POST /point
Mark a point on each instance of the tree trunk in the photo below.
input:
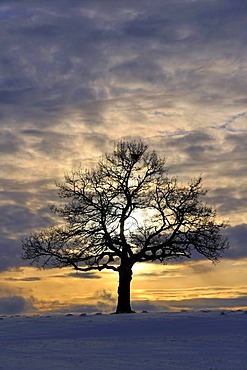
(125, 277)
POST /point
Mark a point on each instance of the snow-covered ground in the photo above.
(184, 341)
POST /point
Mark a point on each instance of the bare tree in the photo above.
(124, 211)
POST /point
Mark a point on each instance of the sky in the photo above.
(78, 76)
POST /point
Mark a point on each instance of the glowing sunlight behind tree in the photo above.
(125, 211)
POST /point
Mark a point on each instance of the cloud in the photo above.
(77, 76)
(210, 303)
(104, 295)
(13, 305)
(161, 274)
(190, 304)
(100, 307)
(228, 124)
(10, 253)
(61, 58)
(99, 301)
(237, 236)
(31, 278)
(16, 221)
(9, 142)
(153, 306)
(85, 275)
(201, 267)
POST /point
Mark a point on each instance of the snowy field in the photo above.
(184, 341)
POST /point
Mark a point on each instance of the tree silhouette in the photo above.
(124, 211)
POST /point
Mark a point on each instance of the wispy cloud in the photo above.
(227, 125)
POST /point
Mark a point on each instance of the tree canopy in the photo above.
(125, 210)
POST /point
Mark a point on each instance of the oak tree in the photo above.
(126, 210)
